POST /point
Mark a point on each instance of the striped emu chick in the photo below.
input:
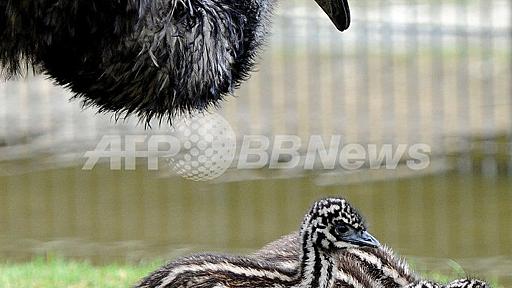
(330, 226)
(424, 284)
(358, 267)
(468, 283)
(361, 267)
(460, 283)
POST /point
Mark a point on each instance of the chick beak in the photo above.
(338, 11)
(362, 238)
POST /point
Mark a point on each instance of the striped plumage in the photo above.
(331, 225)
(361, 267)
(424, 284)
(468, 283)
(459, 283)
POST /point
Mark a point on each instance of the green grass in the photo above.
(57, 273)
(456, 272)
(60, 273)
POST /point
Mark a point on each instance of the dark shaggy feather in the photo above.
(154, 58)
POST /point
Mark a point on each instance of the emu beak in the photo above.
(362, 238)
(338, 11)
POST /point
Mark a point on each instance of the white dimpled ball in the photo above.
(208, 146)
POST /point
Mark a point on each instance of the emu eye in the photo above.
(342, 229)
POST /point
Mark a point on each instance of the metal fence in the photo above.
(405, 72)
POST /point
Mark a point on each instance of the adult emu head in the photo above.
(152, 58)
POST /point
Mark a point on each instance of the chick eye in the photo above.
(342, 229)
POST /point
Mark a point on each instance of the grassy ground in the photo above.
(59, 273)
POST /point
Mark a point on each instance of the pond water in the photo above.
(106, 216)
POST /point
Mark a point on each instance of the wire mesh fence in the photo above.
(435, 73)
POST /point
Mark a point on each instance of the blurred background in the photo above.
(433, 72)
